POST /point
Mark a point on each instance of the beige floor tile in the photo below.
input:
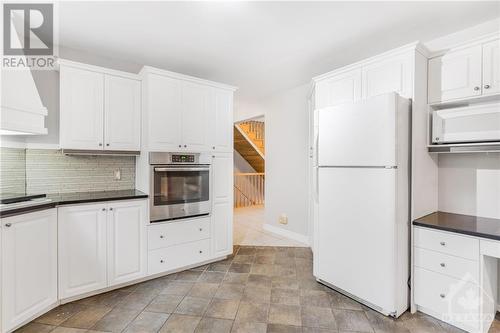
(318, 317)
(87, 317)
(203, 289)
(147, 322)
(35, 328)
(60, 314)
(116, 320)
(249, 327)
(223, 308)
(180, 324)
(164, 303)
(194, 306)
(252, 312)
(214, 325)
(352, 320)
(284, 314)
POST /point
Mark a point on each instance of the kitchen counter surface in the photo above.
(71, 198)
(462, 224)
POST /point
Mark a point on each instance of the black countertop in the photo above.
(60, 199)
(462, 224)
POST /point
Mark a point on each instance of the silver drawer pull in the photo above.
(161, 261)
(161, 236)
(443, 244)
(442, 264)
(201, 251)
(201, 229)
(442, 295)
(8, 225)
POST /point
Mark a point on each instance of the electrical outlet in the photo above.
(283, 219)
(117, 174)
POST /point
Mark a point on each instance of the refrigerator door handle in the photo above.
(316, 184)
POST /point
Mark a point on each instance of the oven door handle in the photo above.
(181, 169)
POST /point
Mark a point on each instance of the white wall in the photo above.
(286, 159)
(240, 164)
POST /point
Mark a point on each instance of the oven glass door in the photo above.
(180, 185)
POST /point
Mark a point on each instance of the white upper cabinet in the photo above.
(100, 109)
(391, 75)
(183, 113)
(491, 67)
(127, 255)
(339, 89)
(82, 249)
(81, 108)
(163, 113)
(196, 111)
(122, 115)
(29, 267)
(455, 75)
(221, 138)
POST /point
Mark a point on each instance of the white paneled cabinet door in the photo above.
(82, 249)
(340, 89)
(81, 108)
(391, 75)
(491, 67)
(455, 75)
(163, 96)
(126, 241)
(222, 121)
(122, 113)
(29, 267)
(222, 212)
(196, 104)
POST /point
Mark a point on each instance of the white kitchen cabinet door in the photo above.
(29, 267)
(340, 89)
(222, 209)
(455, 75)
(221, 121)
(163, 96)
(122, 113)
(82, 249)
(391, 75)
(127, 247)
(196, 109)
(81, 109)
(491, 67)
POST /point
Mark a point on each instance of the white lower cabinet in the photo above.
(101, 245)
(222, 208)
(177, 256)
(28, 266)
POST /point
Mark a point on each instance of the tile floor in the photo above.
(260, 289)
(247, 229)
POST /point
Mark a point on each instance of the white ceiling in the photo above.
(261, 47)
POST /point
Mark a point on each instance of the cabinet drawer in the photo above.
(445, 264)
(177, 256)
(456, 245)
(168, 234)
(447, 298)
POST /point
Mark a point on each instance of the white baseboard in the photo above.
(286, 233)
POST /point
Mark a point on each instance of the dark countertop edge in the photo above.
(56, 203)
(456, 231)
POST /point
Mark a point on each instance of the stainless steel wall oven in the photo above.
(179, 186)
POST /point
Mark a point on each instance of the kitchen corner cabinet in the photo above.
(28, 266)
(339, 89)
(469, 72)
(222, 209)
(185, 114)
(101, 245)
(98, 110)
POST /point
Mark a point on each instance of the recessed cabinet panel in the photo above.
(222, 166)
(393, 75)
(196, 105)
(81, 108)
(455, 75)
(222, 121)
(164, 112)
(122, 113)
(491, 67)
(29, 266)
(222, 217)
(126, 241)
(82, 249)
(340, 89)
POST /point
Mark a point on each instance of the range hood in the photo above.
(22, 111)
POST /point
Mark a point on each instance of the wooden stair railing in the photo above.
(249, 189)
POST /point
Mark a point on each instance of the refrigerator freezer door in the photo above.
(361, 134)
(356, 233)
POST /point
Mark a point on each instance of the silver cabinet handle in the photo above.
(161, 261)
(201, 251)
(213, 147)
(161, 236)
(104, 209)
(442, 264)
(486, 86)
(100, 144)
(476, 88)
(110, 208)
(442, 243)
(180, 146)
(201, 229)
(185, 146)
(442, 295)
(8, 225)
(107, 144)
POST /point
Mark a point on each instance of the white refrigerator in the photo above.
(361, 232)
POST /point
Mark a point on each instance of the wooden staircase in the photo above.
(249, 143)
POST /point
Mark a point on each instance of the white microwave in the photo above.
(475, 123)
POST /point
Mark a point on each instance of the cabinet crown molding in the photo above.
(152, 70)
(98, 69)
(414, 46)
(456, 47)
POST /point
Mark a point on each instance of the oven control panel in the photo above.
(183, 158)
